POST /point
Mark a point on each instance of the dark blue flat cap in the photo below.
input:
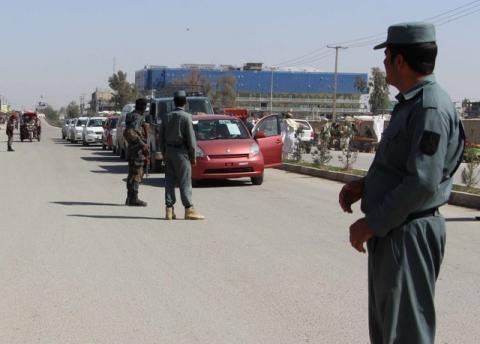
(180, 94)
(409, 33)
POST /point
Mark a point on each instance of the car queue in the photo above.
(226, 148)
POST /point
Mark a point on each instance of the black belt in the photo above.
(173, 145)
(423, 213)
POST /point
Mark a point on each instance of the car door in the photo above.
(268, 136)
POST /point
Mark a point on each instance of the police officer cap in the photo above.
(180, 94)
(409, 33)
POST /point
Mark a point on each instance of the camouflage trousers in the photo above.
(135, 174)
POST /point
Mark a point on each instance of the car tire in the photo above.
(122, 153)
(257, 180)
(63, 137)
(114, 149)
(195, 183)
(104, 147)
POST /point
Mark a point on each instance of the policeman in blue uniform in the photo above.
(178, 144)
(409, 179)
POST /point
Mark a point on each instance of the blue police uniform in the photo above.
(408, 180)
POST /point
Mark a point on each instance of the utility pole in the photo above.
(271, 92)
(336, 47)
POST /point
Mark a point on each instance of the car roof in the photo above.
(211, 117)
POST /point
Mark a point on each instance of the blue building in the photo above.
(305, 93)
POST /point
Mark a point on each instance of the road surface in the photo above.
(270, 264)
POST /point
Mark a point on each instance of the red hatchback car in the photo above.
(226, 149)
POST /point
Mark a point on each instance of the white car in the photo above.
(93, 130)
(306, 135)
(76, 131)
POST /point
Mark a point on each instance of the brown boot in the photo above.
(170, 213)
(192, 214)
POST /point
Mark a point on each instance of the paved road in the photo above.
(271, 264)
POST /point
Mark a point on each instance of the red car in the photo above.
(226, 149)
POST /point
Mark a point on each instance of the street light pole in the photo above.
(271, 92)
(337, 47)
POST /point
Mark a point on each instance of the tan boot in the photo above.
(192, 214)
(170, 213)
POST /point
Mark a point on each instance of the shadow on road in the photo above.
(115, 169)
(156, 182)
(89, 203)
(116, 217)
(100, 158)
(462, 219)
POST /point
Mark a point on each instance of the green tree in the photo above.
(225, 92)
(361, 85)
(72, 110)
(379, 100)
(51, 114)
(194, 82)
(124, 92)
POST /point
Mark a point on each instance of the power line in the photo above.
(439, 20)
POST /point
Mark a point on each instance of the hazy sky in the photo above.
(62, 50)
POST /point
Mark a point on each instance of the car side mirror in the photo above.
(259, 135)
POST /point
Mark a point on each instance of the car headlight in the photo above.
(79, 130)
(254, 149)
(199, 153)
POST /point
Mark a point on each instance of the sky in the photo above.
(62, 50)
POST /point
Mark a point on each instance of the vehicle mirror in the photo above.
(259, 135)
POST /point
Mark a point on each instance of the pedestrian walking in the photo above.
(177, 144)
(409, 179)
(12, 123)
(136, 135)
(289, 136)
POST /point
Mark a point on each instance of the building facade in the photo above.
(102, 100)
(307, 94)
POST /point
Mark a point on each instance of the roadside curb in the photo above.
(461, 199)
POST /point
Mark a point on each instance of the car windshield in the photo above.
(199, 105)
(95, 122)
(219, 129)
(81, 122)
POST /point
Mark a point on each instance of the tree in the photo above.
(194, 82)
(72, 110)
(361, 85)
(51, 114)
(225, 92)
(379, 100)
(124, 92)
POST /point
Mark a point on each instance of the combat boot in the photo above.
(170, 213)
(192, 214)
(135, 201)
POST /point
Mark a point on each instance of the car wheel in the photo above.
(63, 137)
(195, 183)
(104, 147)
(257, 180)
(114, 149)
(122, 153)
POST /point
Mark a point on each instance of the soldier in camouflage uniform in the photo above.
(136, 136)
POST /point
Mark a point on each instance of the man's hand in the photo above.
(146, 149)
(350, 193)
(193, 161)
(360, 233)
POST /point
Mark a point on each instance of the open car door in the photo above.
(267, 133)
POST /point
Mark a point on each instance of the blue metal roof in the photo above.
(256, 81)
